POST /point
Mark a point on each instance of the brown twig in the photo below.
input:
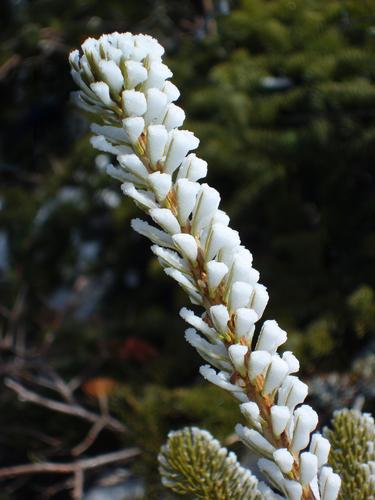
(69, 468)
(9, 64)
(21, 430)
(90, 438)
(78, 485)
(67, 408)
(55, 383)
(50, 491)
(76, 468)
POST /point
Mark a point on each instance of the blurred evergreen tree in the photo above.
(284, 107)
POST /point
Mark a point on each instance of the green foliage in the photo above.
(299, 81)
(362, 305)
(193, 462)
(151, 411)
(352, 439)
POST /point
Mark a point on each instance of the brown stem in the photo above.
(69, 468)
(78, 483)
(90, 437)
(69, 409)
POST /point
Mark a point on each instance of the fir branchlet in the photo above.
(193, 462)
(352, 438)
(125, 85)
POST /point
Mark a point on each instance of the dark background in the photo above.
(282, 96)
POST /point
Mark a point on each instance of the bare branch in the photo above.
(72, 467)
(90, 438)
(69, 409)
(78, 485)
(52, 490)
(74, 383)
(54, 382)
(9, 64)
(52, 441)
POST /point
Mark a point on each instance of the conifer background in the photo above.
(282, 97)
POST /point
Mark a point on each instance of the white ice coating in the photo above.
(121, 78)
